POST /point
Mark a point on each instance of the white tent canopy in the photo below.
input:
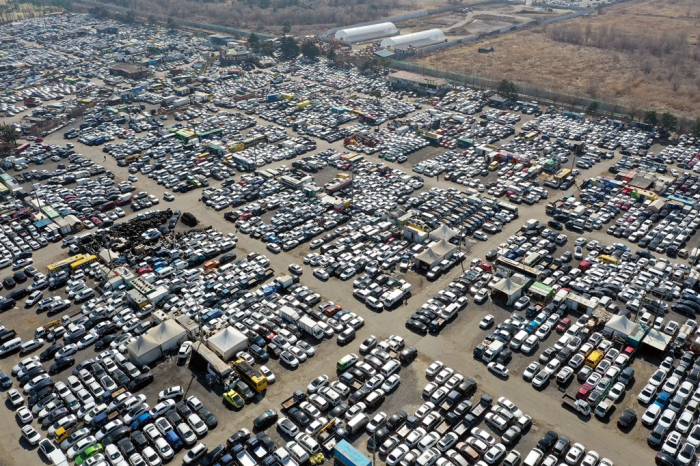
(150, 346)
(143, 350)
(443, 232)
(621, 325)
(227, 343)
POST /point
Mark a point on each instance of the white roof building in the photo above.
(417, 39)
(362, 33)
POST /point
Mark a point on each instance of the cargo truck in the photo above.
(311, 327)
(347, 455)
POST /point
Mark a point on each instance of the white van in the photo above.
(165, 272)
(10, 346)
(518, 340)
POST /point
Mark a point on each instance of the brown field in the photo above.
(641, 54)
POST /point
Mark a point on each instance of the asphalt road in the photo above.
(453, 346)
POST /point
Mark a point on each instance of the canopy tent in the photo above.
(427, 259)
(443, 248)
(508, 290)
(443, 232)
(227, 343)
(143, 350)
(147, 348)
(620, 325)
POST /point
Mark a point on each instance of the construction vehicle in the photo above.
(41, 332)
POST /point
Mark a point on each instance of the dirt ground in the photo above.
(634, 79)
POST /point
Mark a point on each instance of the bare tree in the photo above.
(676, 82)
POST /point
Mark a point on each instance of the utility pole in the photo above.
(374, 450)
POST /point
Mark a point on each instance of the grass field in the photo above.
(641, 54)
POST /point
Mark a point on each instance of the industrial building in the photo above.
(415, 40)
(362, 33)
(128, 71)
(416, 82)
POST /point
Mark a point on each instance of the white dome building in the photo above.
(363, 33)
(417, 39)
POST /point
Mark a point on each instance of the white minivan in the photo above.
(10, 346)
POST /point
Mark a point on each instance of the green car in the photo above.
(89, 453)
(234, 399)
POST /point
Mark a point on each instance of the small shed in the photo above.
(541, 292)
(143, 350)
(656, 342)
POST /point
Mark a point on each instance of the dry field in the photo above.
(641, 54)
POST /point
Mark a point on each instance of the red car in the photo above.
(332, 310)
(96, 221)
(563, 325)
(584, 391)
(485, 266)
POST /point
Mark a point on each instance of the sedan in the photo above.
(288, 358)
(575, 453)
(531, 370)
(25, 415)
(498, 369)
(195, 454)
(169, 393)
(31, 435)
(541, 378)
(197, 424)
(287, 427)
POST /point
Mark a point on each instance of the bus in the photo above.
(532, 105)
(22, 148)
(251, 376)
(83, 263)
(605, 259)
(531, 136)
(64, 264)
(508, 207)
(563, 173)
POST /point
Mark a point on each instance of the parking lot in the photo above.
(393, 232)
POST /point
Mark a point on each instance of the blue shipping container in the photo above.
(348, 455)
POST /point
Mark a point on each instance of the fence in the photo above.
(184, 22)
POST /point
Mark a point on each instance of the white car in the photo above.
(151, 457)
(113, 455)
(197, 452)
(434, 368)
(163, 448)
(15, 397)
(161, 408)
(169, 393)
(574, 454)
(391, 383)
(185, 350)
(197, 424)
(289, 359)
(376, 422)
(31, 435)
(541, 378)
(498, 369)
(486, 322)
(31, 345)
(269, 375)
(186, 433)
(82, 445)
(25, 415)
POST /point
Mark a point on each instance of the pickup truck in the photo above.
(294, 400)
(436, 325)
(484, 404)
(442, 428)
(452, 399)
(579, 405)
(256, 448)
(243, 457)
